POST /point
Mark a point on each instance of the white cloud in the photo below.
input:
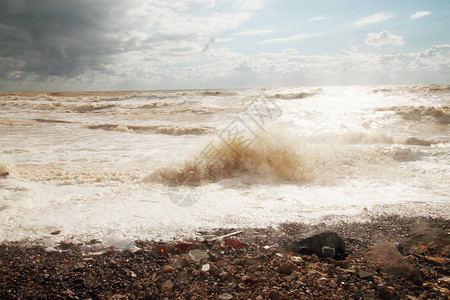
(373, 19)
(254, 32)
(318, 18)
(383, 38)
(420, 14)
(287, 39)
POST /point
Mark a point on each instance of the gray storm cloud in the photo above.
(60, 38)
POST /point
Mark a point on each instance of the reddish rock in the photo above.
(391, 261)
(184, 247)
(235, 243)
(162, 249)
(286, 268)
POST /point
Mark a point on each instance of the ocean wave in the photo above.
(352, 138)
(157, 129)
(50, 121)
(275, 156)
(439, 114)
(11, 122)
(404, 155)
(218, 93)
(293, 96)
(67, 176)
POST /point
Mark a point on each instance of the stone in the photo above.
(184, 247)
(276, 295)
(56, 232)
(51, 250)
(436, 260)
(182, 276)
(206, 267)
(362, 273)
(325, 244)
(168, 268)
(162, 249)
(386, 292)
(225, 296)
(167, 286)
(197, 255)
(391, 261)
(425, 236)
(286, 268)
(235, 243)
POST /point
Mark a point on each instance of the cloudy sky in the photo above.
(159, 44)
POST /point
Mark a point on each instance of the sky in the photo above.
(54, 45)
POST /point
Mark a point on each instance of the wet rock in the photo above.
(425, 236)
(226, 275)
(162, 249)
(391, 261)
(63, 245)
(225, 296)
(182, 276)
(197, 255)
(276, 295)
(286, 268)
(184, 247)
(235, 243)
(362, 273)
(51, 250)
(436, 260)
(386, 292)
(168, 268)
(179, 262)
(325, 244)
(167, 286)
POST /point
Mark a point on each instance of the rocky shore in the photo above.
(388, 257)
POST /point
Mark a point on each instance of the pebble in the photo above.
(206, 267)
(276, 295)
(168, 268)
(225, 296)
(197, 255)
(362, 273)
(51, 250)
(167, 286)
(286, 268)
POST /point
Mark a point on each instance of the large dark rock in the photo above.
(391, 261)
(325, 244)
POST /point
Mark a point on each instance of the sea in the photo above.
(162, 165)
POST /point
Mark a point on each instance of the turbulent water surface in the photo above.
(161, 164)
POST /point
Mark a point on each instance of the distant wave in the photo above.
(11, 122)
(293, 96)
(158, 129)
(356, 138)
(218, 93)
(439, 114)
(431, 89)
(50, 121)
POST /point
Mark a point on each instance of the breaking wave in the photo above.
(158, 129)
(439, 114)
(274, 156)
